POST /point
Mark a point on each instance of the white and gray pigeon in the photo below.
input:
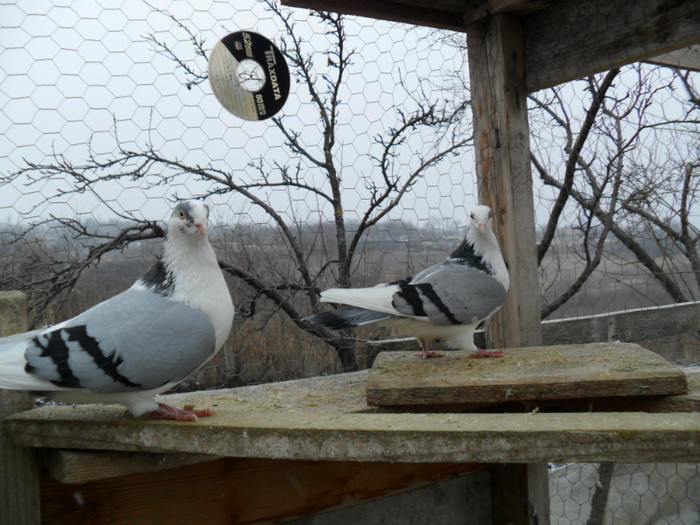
(140, 342)
(446, 301)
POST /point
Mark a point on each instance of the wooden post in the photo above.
(502, 152)
(19, 472)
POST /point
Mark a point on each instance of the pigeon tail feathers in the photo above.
(13, 375)
(377, 298)
(349, 317)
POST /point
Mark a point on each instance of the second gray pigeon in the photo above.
(446, 301)
(139, 343)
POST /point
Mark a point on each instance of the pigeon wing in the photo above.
(450, 293)
(137, 340)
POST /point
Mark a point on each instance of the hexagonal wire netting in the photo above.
(91, 94)
(108, 117)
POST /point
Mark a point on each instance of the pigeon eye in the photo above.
(181, 214)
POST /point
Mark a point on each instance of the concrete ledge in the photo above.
(323, 419)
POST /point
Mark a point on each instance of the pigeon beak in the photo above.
(201, 227)
(482, 227)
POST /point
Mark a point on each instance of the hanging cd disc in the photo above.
(249, 75)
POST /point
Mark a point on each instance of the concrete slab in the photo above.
(299, 434)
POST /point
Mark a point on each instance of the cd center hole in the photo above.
(250, 75)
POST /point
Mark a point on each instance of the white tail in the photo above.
(377, 298)
(12, 373)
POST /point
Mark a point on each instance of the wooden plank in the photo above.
(686, 58)
(573, 39)
(513, 487)
(433, 16)
(524, 374)
(235, 491)
(689, 402)
(83, 466)
(478, 11)
(502, 152)
(19, 476)
(461, 438)
(564, 40)
(19, 468)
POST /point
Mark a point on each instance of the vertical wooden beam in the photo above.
(19, 471)
(502, 144)
(502, 151)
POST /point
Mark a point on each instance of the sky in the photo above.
(77, 75)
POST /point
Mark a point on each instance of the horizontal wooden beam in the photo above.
(83, 466)
(573, 39)
(563, 40)
(387, 10)
(450, 438)
(72, 466)
(686, 58)
(477, 11)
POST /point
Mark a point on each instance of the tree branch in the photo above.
(572, 160)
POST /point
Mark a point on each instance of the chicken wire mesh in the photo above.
(108, 117)
(640, 493)
(90, 95)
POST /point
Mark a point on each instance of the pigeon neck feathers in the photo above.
(480, 250)
(158, 279)
(468, 256)
(188, 271)
(184, 256)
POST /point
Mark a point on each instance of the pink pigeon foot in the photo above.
(480, 352)
(425, 353)
(188, 413)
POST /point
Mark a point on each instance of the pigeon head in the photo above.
(480, 217)
(189, 217)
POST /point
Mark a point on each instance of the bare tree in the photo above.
(619, 153)
(311, 254)
(630, 172)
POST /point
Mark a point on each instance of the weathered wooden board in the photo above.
(524, 374)
(19, 470)
(504, 178)
(573, 39)
(84, 466)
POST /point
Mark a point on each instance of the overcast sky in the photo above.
(73, 73)
(71, 70)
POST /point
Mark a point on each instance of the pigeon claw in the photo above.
(430, 353)
(480, 352)
(425, 353)
(187, 413)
